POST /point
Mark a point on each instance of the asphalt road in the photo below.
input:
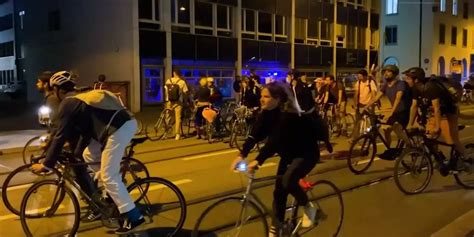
(373, 204)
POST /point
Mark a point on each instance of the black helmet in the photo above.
(392, 68)
(416, 73)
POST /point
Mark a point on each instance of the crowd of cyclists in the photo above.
(287, 117)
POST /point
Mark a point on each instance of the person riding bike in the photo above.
(301, 93)
(336, 94)
(365, 91)
(294, 137)
(400, 98)
(435, 110)
(105, 128)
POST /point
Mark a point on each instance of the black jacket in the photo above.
(304, 95)
(251, 97)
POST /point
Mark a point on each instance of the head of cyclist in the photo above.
(415, 77)
(62, 83)
(362, 75)
(245, 82)
(42, 82)
(390, 72)
(101, 78)
(330, 80)
(210, 82)
(203, 82)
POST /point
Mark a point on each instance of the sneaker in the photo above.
(309, 215)
(273, 232)
(91, 216)
(177, 137)
(129, 226)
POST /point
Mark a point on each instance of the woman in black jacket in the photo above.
(250, 94)
(294, 137)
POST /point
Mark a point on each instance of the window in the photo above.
(264, 23)
(280, 25)
(326, 30)
(313, 29)
(454, 32)
(392, 7)
(54, 20)
(6, 49)
(464, 38)
(442, 33)
(455, 7)
(390, 35)
(6, 22)
(3, 1)
(203, 14)
(223, 17)
(180, 13)
(300, 30)
(149, 10)
(351, 37)
(442, 5)
(465, 10)
(248, 20)
(361, 37)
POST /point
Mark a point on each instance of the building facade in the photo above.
(435, 35)
(9, 82)
(139, 42)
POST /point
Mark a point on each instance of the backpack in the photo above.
(101, 99)
(173, 91)
(452, 88)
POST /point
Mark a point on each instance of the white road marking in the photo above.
(209, 154)
(367, 161)
(39, 210)
(6, 167)
(160, 186)
(23, 186)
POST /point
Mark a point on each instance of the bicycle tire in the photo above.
(162, 127)
(350, 123)
(403, 163)
(14, 208)
(366, 139)
(209, 132)
(459, 177)
(64, 190)
(317, 198)
(26, 153)
(241, 134)
(199, 229)
(140, 127)
(159, 184)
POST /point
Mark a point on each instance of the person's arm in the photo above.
(339, 96)
(413, 112)
(356, 94)
(375, 99)
(373, 89)
(437, 114)
(326, 96)
(257, 134)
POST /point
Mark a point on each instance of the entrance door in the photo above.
(152, 84)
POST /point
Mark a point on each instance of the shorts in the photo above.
(402, 118)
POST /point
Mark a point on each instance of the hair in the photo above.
(363, 72)
(67, 86)
(280, 91)
(45, 76)
(331, 77)
(102, 78)
(177, 72)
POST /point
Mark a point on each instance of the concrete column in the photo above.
(292, 33)
(334, 39)
(368, 35)
(167, 28)
(238, 34)
(135, 84)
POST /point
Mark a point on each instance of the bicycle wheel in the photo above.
(233, 216)
(164, 125)
(162, 204)
(16, 184)
(32, 149)
(49, 209)
(465, 178)
(350, 122)
(330, 215)
(361, 154)
(133, 170)
(140, 127)
(241, 131)
(413, 171)
(209, 132)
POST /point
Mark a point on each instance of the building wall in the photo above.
(95, 37)
(7, 64)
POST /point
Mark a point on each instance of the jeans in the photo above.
(110, 157)
(291, 171)
(178, 108)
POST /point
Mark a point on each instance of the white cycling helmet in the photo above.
(59, 78)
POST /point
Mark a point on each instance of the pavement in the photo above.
(373, 206)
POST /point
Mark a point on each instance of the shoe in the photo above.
(129, 226)
(390, 154)
(199, 137)
(91, 216)
(177, 137)
(273, 232)
(309, 215)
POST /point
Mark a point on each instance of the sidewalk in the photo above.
(463, 226)
(12, 140)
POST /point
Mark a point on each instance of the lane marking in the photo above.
(209, 155)
(13, 216)
(160, 186)
(23, 186)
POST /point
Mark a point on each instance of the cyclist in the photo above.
(217, 101)
(301, 93)
(294, 138)
(175, 97)
(365, 91)
(202, 98)
(336, 94)
(438, 112)
(319, 90)
(250, 94)
(399, 95)
(49, 99)
(105, 128)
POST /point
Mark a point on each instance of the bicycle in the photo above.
(245, 215)
(212, 116)
(227, 114)
(363, 149)
(329, 114)
(153, 196)
(466, 96)
(241, 127)
(166, 123)
(22, 175)
(418, 162)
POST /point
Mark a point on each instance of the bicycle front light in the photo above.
(242, 166)
(44, 111)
